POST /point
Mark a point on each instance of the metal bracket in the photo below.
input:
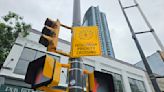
(62, 53)
(159, 77)
(143, 32)
(130, 6)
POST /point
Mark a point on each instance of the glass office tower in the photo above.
(94, 16)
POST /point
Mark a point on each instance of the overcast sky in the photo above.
(36, 11)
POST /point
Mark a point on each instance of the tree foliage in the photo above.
(11, 26)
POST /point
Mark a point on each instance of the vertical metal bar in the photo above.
(150, 73)
(76, 71)
(143, 15)
(76, 13)
(157, 39)
(75, 75)
(149, 25)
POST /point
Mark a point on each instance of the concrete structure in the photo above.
(94, 16)
(127, 78)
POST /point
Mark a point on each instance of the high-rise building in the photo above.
(94, 16)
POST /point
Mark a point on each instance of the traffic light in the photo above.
(50, 34)
(44, 71)
(100, 82)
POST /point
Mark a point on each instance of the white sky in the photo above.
(36, 11)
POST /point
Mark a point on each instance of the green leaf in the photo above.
(9, 30)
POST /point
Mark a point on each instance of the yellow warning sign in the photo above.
(85, 41)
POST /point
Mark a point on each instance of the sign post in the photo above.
(81, 46)
(85, 42)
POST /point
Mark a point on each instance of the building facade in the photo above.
(156, 63)
(127, 78)
(94, 16)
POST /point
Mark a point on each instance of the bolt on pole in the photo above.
(150, 73)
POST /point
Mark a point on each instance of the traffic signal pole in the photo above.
(149, 71)
(76, 71)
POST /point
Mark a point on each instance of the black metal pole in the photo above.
(75, 75)
(150, 73)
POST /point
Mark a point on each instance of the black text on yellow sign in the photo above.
(85, 42)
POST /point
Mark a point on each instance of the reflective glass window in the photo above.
(137, 85)
(118, 83)
(26, 57)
